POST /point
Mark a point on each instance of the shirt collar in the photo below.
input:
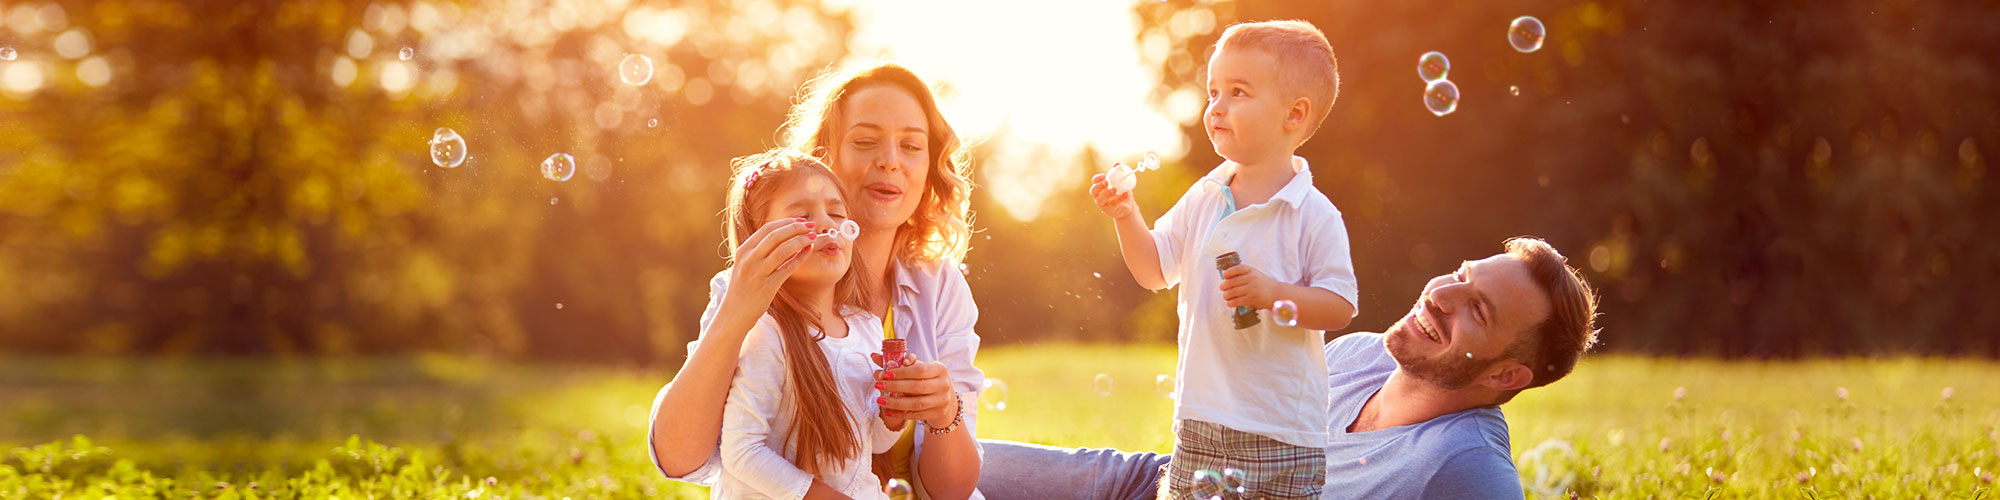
(906, 281)
(1292, 194)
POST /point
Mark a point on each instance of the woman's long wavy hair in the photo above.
(941, 229)
(821, 431)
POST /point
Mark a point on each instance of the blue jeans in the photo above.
(1012, 470)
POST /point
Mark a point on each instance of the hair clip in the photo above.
(751, 180)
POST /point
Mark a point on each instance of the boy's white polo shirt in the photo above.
(1267, 379)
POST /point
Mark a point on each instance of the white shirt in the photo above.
(934, 311)
(1268, 379)
(757, 449)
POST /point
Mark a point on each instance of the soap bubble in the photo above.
(1163, 384)
(898, 489)
(1150, 163)
(406, 54)
(1433, 66)
(1101, 384)
(1284, 312)
(1121, 178)
(1514, 89)
(447, 148)
(993, 394)
(1441, 97)
(850, 229)
(559, 167)
(1233, 480)
(635, 69)
(1526, 34)
(653, 123)
(1208, 484)
(8, 54)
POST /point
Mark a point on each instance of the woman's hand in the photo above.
(916, 390)
(766, 259)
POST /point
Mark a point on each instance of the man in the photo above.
(1415, 410)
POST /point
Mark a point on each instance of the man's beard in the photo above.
(1450, 373)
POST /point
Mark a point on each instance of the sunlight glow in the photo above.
(1035, 88)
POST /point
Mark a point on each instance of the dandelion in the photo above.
(1664, 443)
(1840, 392)
(1856, 443)
(1947, 394)
(490, 481)
(1680, 392)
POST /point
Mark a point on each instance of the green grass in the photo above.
(438, 427)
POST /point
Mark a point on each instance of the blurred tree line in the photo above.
(1761, 179)
(1768, 180)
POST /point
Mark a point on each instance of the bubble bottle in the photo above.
(1244, 316)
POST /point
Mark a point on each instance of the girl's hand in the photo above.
(917, 390)
(890, 418)
(767, 258)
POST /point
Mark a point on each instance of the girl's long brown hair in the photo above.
(821, 432)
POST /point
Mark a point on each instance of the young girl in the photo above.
(801, 419)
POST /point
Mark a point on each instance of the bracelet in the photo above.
(955, 420)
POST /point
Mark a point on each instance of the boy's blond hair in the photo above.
(1306, 65)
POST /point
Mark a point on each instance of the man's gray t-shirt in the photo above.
(1458, 455)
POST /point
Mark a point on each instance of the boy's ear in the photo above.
(1296, 116)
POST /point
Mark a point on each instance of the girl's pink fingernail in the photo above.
(881, 401)
(809, 224)
(878, 385)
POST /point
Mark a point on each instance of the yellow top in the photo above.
(899, 462)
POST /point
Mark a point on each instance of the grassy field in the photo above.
(440, 427)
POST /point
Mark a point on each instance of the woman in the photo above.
(908, 176)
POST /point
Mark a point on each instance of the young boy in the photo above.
(1252, 399)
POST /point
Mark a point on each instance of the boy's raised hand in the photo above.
(1114, 204)
(1245, 286)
